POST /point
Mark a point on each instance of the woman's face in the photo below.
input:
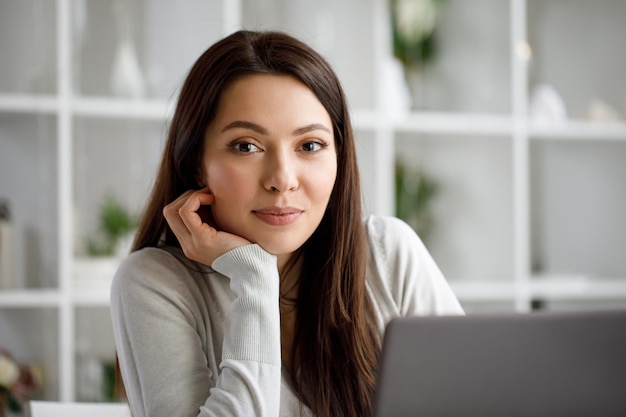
(270, 162)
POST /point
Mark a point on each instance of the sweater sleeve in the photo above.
(157, 311)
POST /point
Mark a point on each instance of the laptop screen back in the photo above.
(538, 364)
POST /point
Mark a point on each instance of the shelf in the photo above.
(91, 284)
(578, 130)
(548, 287)
(553, 288)
(29, 298)
(577, 288)
(92, 106)
(456, 123)
(123, 108)
(416, 122)
(25, 103)
(96, 297)
(93, 297)
(483, 291)
(436, 123)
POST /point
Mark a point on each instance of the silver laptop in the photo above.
(537, 364)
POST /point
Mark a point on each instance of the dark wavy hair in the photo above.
(336, 345)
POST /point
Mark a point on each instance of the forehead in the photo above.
(270, 98)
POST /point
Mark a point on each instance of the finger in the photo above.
(171, 210)
(175, 205)
(176, 224)
(189, 210)
(172, 216)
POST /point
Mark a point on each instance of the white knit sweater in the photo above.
(194, 340)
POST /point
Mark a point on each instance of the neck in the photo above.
(289, 271)
(282, 261)
(289, 285)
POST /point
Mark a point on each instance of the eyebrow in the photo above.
(310, 128)
(243, 124)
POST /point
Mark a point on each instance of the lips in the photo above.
(278, 216)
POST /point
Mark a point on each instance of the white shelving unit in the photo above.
(483, 152)
(69, 109)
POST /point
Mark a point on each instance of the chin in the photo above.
(279, 247)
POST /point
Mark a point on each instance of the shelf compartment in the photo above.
(155, 31)
(28, 47)
(29, 181)
(94, 354)
(471, 70)
(31, 336)
(471, 236)
(578, 49)
(115, 158)
(577, 208)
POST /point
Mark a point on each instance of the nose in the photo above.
(281, 172)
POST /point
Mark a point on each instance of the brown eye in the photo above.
(244, 147)
(313, 146)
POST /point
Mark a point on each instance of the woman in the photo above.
(255, 287)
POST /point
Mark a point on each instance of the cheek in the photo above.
(225, 191)
(223, 180)
(232, 189)
(326, 182)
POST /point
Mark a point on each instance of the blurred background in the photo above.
(494, 127)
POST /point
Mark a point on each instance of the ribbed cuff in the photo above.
(252, 329)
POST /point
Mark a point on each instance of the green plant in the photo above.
(115, 223)
(413, 30)
(414, 192)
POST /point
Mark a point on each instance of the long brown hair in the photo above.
(336, 345)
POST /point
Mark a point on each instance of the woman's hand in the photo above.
(199, 241)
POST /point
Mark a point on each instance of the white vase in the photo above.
(396, 95)
(126, 77)
(416, 79)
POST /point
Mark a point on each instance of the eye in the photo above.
(313, 146)
(244, 147)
